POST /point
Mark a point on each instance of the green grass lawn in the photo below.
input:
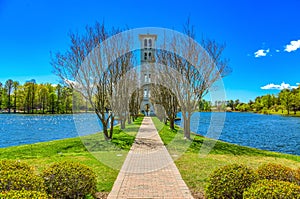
(106, 157)
(86, 150)
(285, 113)
(195, 169)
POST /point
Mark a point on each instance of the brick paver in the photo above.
(149, 171)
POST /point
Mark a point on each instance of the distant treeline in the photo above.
(287, 100)
(57, 99)
(38, 98)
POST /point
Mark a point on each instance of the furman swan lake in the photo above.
(268, 132)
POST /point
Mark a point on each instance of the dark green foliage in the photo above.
(273, 171)
(69, 180)
(20, 179)
(285, 101)
(39, 98)
(269, 189)
(230, 181)
(23, 194)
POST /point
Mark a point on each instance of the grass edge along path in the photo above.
(195, 170)
(43, 154)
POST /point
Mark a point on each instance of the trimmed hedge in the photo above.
(23, 194)
(273, 171)
(269, 189)
(11, 165)
(230, 181)
(69, 180)
(297, 176)
(20, 179)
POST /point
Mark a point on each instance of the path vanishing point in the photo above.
(149, 171)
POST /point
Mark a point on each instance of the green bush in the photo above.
(273, 171)
(23, 194)
(297, 176)
(69, 180)
(269, 189)
(230, 181)
(11, 165)
(20, 179)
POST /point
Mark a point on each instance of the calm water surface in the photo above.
(17, 129)
(268, 132)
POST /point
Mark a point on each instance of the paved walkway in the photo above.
(149, 171)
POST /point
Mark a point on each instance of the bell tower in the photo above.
(148, 42)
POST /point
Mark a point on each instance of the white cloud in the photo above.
(294, 45)
(278, 87)
(261, 53)
(277, 51)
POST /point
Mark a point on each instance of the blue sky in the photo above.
(262, 37)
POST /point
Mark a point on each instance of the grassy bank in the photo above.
(195, 169)
(285, 113)
(272, 112)
(40, 155)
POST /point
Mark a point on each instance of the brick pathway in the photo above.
(149, 171)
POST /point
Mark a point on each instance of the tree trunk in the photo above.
(15, 103)
(166, 120)
(111, 126)
(187, 127)
(105, 131)
(122, 124)
(129, 119)
(172, 125)
(9, 103)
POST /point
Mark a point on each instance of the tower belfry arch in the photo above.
(148, 42)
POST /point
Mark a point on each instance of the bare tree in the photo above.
(134, 103)
(160, 112)
(191, 69)
(123, 87)
(93, 66)
(164, 97)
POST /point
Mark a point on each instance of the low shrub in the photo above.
(269, 189)
(20, 179)
(23, 194)
(297, 176)
(69, 180)
(273, 171)
(12, 165)
(230, 181)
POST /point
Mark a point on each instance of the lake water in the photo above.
(268, 132)
(17, 129)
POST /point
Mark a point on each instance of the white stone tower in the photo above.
(147, 59)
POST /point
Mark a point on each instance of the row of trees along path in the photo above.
(83, 68)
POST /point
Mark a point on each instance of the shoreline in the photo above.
(178, 127)
(40, 155)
